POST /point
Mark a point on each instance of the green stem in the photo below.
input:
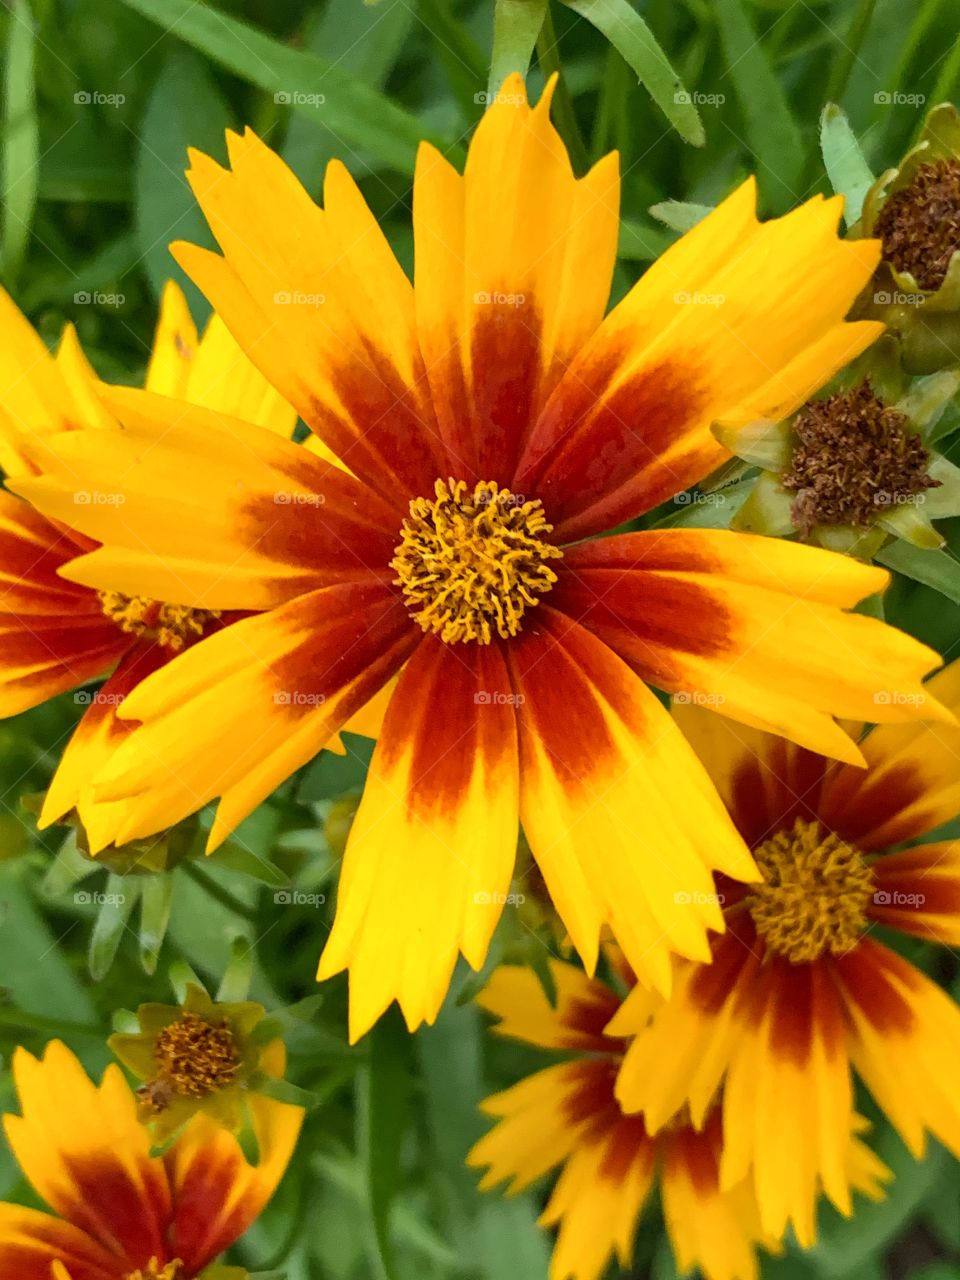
(548, 55)
(215, 890)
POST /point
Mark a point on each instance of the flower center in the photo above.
(171, 625)
(815, 893)
(920, 224)
(471, 564)
(853, 456)
(154, 1271)
(194, 1058)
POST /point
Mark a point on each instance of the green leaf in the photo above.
(361, 116)
(770, 128)
(635, 42)
(116, 903)
(848, 171)
(516, 25)
(642, 242)
(20, 137)
(383, 1106)
(185, 110)
(678, 215)
(937, 569)
(450, 1055)
(156, 895)
(283, 1091)
(235, 984)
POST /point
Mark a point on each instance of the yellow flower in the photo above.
(567, 1116)
(799, 994)
(120, 1213)
(494, 424)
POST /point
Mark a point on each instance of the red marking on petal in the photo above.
(867, 974)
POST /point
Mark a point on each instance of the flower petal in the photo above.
(319, 303)
(912, 783)
(905, 1043)
(432, 848)
(86, 1153)
(736, 321)
(752, 627)
(217, 1193)
(31, 1242)
(275, 687)
(600, 763)
(513, 268)
(207, 512)
(918, 892)
(583, 1008)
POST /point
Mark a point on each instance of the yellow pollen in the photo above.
(195, 1057)
(471, 564)
(815, 893)
(154, 1271)
(171, 625)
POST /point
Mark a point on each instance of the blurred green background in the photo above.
(101, 99)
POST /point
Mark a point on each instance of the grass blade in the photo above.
(20, 137)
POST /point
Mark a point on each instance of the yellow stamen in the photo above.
(471, 564)
(171, 625)
(196, 1057)
(815, 893)
(154, 1271)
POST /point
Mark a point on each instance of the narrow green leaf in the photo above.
(20, 136)
(678, 215)
(182, 977)
(360, 115)
(937, 569)
(185, 109)
(771, 130)
(156, 896)
(633, 39)
(66, 869)
(383, 1105)
(847, 170)
(451, 1061)
(283, 1091)
(642, 242)
(516, 25)
(235, 984)
(116, 903)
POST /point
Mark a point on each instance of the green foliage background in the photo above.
(93, 191)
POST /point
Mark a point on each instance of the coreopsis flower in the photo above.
(199, 1056)
(800, 994)
(493, 424)
(853, 469)
(915, 211)
(119, 1213)
(568, 1116)
(55, 634)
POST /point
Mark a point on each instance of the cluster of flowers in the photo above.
(427, 568)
